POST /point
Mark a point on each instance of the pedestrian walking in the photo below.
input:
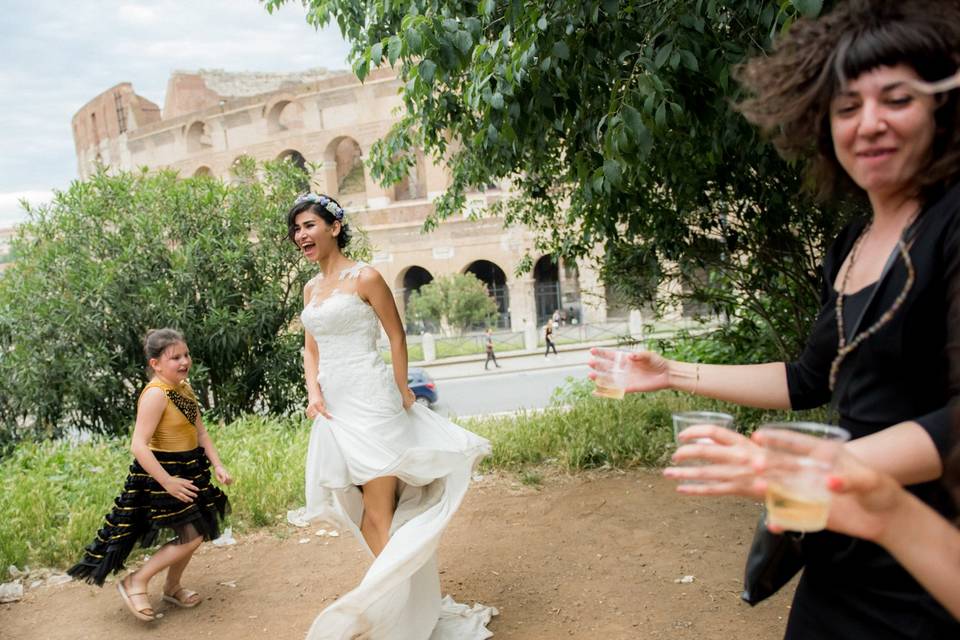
(548, 338)
(490, 354)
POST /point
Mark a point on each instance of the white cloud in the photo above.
(12, 212)
(137, 14)
(56, 61)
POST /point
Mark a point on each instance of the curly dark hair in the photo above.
(343, 239)
(791, 89)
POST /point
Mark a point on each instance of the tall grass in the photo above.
(53, 495)
(580, 432)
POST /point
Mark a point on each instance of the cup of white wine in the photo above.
(611, 382)
(796, 468)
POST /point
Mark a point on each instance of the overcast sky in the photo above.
(55, 56)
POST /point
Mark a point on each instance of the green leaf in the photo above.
(612, 172)
(597, 182)
(414, 42)
(561, 50)
(496, 101)
(486, 7)
(661, 117)
(542, 23)
(631, 117)
(463, 41)
(427, 69)
(376, 53)
(394, 47)
(689, 60)
(809, 8)
(663, 55)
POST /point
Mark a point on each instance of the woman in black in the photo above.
(879, 347)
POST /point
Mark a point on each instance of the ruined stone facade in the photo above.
(329, 120)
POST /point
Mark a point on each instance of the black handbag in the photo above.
(774, 559)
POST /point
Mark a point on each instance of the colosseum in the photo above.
(328, 121)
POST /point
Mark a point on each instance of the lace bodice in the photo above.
(343, 325)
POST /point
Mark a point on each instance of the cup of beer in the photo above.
(798, 456)
(612, 382)
(690, 418)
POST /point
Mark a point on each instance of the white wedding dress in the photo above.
(370, 435)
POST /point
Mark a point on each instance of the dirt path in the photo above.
(585, 557)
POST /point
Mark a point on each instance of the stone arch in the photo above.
(546, 287)
(496, 280)
(344, 162)
(413, 186)
(410, 280)
(295, 157)
(234, 166)
(198, 137)
(283, 113)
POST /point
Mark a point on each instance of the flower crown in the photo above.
(335, 210)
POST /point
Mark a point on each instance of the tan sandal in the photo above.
(146, 613)
(182, 597)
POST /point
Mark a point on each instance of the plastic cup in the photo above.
(691, 418)
(796, 469)
(612, 383)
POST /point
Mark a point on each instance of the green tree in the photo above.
(453, 303)
(115, 255)
(617, 114)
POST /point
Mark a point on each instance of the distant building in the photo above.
(212, 118)
(6, 237)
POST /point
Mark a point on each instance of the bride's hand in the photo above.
(646, 370)
(406, 394)
(317, 406)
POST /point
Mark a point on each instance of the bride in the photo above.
(378, 464)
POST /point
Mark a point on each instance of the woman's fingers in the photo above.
(714, 454)
(720, 435)
(600, 365)
(749, 488)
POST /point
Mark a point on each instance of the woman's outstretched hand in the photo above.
(645, 370)
(317, 406)
(729, 463)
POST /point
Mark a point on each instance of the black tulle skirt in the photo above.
(145, 513)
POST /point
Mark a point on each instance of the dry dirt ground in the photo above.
(590, 556)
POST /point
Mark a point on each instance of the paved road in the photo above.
(503, 391)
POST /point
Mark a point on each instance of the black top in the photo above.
(901, 373)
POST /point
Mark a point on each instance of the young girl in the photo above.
(168, 487)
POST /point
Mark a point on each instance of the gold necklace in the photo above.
(844, 348)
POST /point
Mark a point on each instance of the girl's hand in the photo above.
(406, 394)
(223, 476)
(731, 463)
(317, 406)
(181, 489)
(646, 370)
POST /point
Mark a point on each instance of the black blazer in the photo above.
(850, 588)
(902, 372)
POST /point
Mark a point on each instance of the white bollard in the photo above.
(636, 324)
(530, 337)
(429, 347)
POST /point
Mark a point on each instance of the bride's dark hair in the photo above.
(323, 206)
